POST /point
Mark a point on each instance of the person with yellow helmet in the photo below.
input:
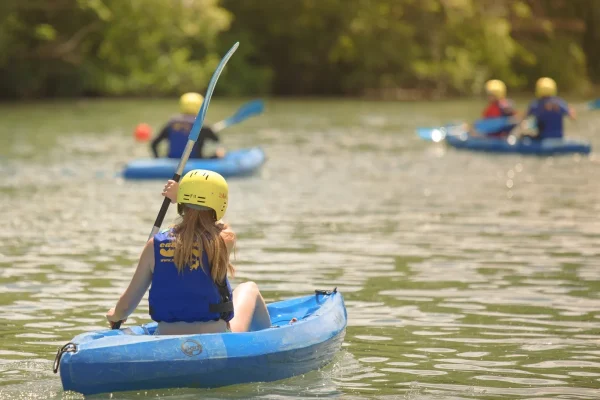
(499, 106)
(177, 130)
(186, 268)
(549, 110)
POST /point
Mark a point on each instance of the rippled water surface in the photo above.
(466, 276)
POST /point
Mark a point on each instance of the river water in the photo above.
(466, 276)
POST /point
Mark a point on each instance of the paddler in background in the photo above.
(499, 106)
(179, 127)
(548, 110)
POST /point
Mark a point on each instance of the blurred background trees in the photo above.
(377, 48)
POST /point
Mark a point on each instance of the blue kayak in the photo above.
(235, 163)
(544, 147)
(133, 359)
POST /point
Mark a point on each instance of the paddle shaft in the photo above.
(176, 177)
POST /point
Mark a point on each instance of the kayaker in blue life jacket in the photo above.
(179, 127)
(499, 106)
(548, 110)
(186, 268)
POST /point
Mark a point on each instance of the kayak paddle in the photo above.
(488, 125)
(143, 132)
(246, 111)
(195, 132)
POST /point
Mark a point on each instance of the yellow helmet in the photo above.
(203, 190)
(545, 87)
(496, 88)
(190, 103)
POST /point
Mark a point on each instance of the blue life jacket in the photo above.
(179, 131)
(189, 296)
(549, 113)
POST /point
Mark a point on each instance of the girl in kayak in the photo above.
(186, 268)
(499, 106)
(548, 110)
(179, 127)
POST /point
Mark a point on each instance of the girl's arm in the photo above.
(163, 135)
(137, 287)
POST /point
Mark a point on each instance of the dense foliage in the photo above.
(396, 48)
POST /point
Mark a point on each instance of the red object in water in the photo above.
(143, 132)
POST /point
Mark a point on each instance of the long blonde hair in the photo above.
(197, 232)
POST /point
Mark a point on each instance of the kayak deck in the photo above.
(235, 163)
(133, 359)
(544, 147)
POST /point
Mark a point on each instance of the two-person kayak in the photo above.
(134, 359)
(235, 163)
(546, 147)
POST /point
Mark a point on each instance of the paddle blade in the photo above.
(492, 125)
(195, 132)
(594, 104)
(433, 134)
(439, 133)
(246, 111)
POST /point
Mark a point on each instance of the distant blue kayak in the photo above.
(545, 147)
(235, 163)
(133, 359)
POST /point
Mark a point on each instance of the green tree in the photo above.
(345, 47)
(294, 47)
(70, 47)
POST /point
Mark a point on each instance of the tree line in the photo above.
(377, 48)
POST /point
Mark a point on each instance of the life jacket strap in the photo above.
(225, 307)
(221, 308)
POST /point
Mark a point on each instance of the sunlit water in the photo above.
(466, 276)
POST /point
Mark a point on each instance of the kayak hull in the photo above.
(235, 163)
(134, 359)
(527, 146)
